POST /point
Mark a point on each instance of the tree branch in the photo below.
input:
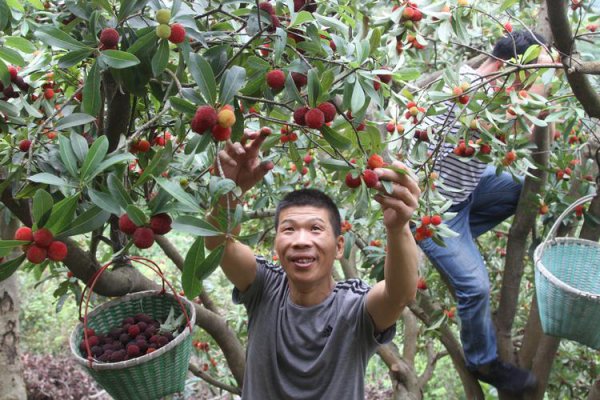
(118, 111)
(523, 223)
(563, 38)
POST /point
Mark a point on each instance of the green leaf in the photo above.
(5, 76)
(335, 139)
(358, 98)
(192, 286)
(49, 179)
(62, 213)
(55, 37)
(91, 91)
(210, 263)
(195, 226)
(218, 187)
(157, 165)
(118, 59)
(67, 156)
(136, 215)
(313, 87)
(11, 56)
(73, 58)
(160, 58)
(233, 80)
(175, 190)
(75, 119)
(19, 43)
(118, 191)
(204, 77)
(79, 145)
(37, 4)
(88, 221)
(112, 160)
(506, 4)
(333, 164)
(300, 18)
(42, 205)
(182, 106)
(94, 157)
(8, 268)
(5, 17)
(105, 201)
(11, 244)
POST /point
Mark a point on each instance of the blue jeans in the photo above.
(494, 199)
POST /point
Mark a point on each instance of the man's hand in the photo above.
(240, 161)
(399, 205)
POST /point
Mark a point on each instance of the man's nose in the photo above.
(302, 238)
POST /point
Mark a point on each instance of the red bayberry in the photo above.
(177, 34)
(328, 110)
(351, 181)
(24, 233)
(204, 119)
(36, 254)
(421, 283)
(436, 219)
(43, 237)
(126, 225)
(57, 251)
(160, 223)
(220, 134)
(299, 79)
(370, 178)
(375, 161)
(267, 7)
(300, 114)
(24, 145)
(109, 37)
(48, 93)
(276, 79)
(314, 118)
(143, 238)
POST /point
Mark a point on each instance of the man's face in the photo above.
(307, 246)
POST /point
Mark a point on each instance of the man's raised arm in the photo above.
(387, 298)
(240, 163)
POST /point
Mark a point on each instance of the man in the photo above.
(308, 336)
(481, 200)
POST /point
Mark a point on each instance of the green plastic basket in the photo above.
(151, 376)
(567, 279)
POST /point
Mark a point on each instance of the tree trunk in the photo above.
(12, 384)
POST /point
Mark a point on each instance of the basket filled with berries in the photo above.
(137, 346)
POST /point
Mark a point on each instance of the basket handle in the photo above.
(89, 289)
(560, 218)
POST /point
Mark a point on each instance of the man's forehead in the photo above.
(303, 213)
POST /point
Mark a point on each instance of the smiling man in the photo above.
(310, 337)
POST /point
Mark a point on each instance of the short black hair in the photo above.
(311, 198)
(516, 43)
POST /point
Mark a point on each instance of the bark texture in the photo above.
(12, 384)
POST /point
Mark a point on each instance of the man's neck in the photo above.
(310, 296)
(488, 67)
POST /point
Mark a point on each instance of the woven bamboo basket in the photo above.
(567, 280)
(148, 377)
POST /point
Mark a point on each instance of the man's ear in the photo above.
(499, 64)
(339, 247)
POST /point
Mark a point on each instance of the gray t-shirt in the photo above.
(318, 352)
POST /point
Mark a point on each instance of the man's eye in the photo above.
(317, 228)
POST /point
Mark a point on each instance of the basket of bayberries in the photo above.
(139, 345)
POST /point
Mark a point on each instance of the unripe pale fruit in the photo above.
(226, 118)
(163, 31)
(163, 16)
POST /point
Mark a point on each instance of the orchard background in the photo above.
(96, 125)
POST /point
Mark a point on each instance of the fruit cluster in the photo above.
(424, 231)
(41, 245)
(218, 123)
(135, 337)
(174, 33)
(143, 236)
(9, 91)
(316, 117)
(268, 8)
(412, 111)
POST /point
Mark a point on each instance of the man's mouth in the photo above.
(303, 262)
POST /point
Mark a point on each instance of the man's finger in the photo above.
(257, 142)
